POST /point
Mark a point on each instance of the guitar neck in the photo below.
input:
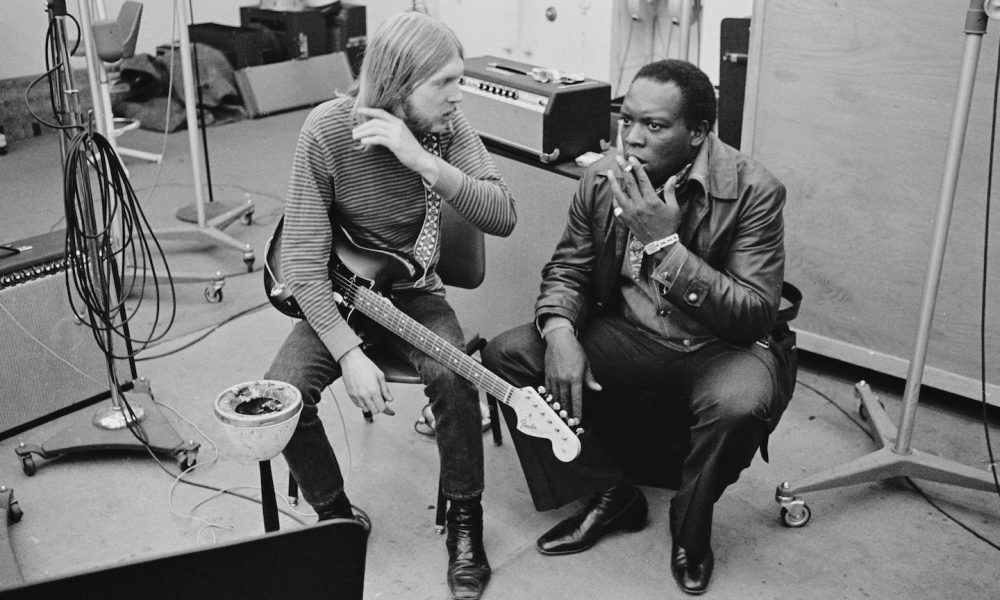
(380, 310)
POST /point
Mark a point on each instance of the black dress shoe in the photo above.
(692, 573)
(468, 569)
(622, 507)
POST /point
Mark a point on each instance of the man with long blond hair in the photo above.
(377, 163)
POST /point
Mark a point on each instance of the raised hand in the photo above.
(389, 131)
(639, 206)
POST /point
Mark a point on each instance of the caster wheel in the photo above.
(186, 462)
(797, 517)
(28, 464)
(213, 295)
(14, 513)
(249, 263)
(248, 218)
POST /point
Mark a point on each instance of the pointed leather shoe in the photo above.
(468, 569)
(691, 573)
(622, 507)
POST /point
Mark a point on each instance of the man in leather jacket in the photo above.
(659, 299)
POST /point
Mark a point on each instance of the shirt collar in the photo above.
(715, 169)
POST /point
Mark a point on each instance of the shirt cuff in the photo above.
(555, 322)
(669, 268)
(340, 340)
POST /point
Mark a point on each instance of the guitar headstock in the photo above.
(537, 417)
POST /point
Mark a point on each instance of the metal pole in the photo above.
(975, 27)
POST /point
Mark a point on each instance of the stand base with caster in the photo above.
(10, 570)
(884, 463)
(89, 435)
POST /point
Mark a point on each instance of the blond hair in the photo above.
(406, 50)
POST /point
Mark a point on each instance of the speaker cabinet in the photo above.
(325, 561)
(734, 44)
(49, 361)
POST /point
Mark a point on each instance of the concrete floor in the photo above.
(89, 511)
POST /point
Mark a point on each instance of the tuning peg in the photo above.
(579, 431)
(573, 421)
(556, 406)
(563, 414)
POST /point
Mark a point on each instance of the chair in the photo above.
(115, 38)
(112, 40)
(462, 264)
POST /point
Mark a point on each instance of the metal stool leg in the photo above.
(293, 491)
(442, 509)
(491, 402)
(268, 500)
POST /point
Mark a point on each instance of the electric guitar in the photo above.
(360, 276)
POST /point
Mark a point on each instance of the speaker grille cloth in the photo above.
(47, 360)
(506, 123)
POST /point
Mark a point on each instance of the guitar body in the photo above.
(364, 267)
(361, 279)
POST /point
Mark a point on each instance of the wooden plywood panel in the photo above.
(514, 264)
(849, 103)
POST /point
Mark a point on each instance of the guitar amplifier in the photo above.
(49, 361)
(519, 106)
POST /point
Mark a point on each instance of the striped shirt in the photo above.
(378, 201)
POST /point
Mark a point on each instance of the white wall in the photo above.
(587, 36)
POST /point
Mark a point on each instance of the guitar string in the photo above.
(415, 333)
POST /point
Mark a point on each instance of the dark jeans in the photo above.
(726, 393)
(304, 362)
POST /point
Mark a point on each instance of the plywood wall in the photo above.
(850, 103)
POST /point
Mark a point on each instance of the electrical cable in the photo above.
(621, 63)
(983, 300)
(205, 334)
(920, 491)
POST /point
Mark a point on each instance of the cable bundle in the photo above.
(108, 252)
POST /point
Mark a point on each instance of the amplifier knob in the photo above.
(514, 94)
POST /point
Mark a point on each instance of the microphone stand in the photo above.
(895, 456)
(111, 427)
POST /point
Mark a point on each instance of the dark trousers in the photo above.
(304, 362)
(723, 397)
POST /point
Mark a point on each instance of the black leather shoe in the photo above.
(468, 569)
(692, 573)
(622, 507)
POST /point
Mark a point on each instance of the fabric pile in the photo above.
(150, 89)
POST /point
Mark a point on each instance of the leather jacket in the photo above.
(724, 276)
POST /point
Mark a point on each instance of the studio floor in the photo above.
(85, 511)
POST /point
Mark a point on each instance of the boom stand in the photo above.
(896, 458)
(111, 427)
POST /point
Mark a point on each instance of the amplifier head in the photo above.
(510, 103)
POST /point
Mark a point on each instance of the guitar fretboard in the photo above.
(379, 309)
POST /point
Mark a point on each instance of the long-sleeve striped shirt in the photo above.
(378, 201)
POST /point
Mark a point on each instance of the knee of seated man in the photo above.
(510, 348)
(742, 399)
(311, 393)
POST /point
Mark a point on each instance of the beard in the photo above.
(417, 123)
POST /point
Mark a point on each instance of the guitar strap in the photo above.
(429, 238)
